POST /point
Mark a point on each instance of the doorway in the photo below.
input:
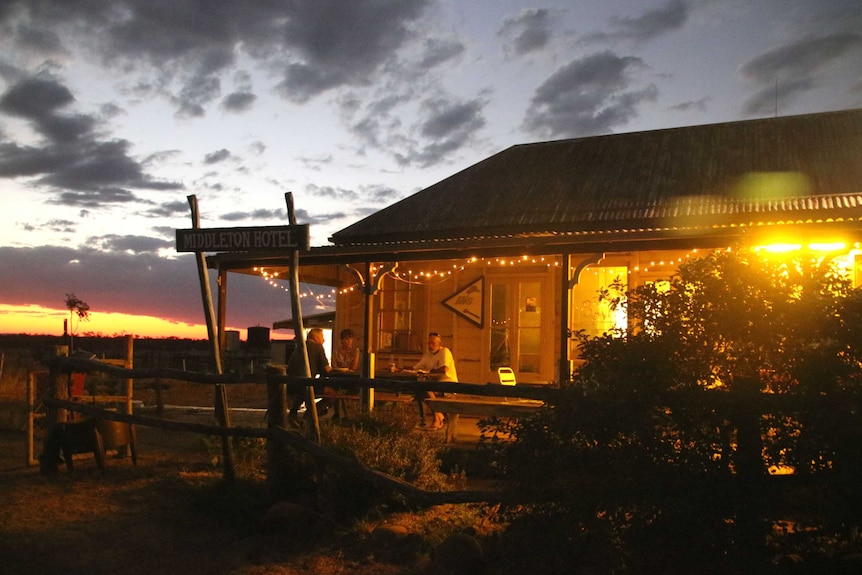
(516, 309)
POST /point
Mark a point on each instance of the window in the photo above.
(395, 315)
(592, 313)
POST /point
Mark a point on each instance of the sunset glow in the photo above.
(36, 320)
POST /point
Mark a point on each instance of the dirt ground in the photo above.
(172, 513)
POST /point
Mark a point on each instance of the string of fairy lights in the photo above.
(439, 275)
(325, 296)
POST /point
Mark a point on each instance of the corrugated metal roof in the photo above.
(759, 172)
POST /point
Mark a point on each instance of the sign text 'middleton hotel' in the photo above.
(243, 239)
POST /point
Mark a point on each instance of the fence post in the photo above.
(276, 455)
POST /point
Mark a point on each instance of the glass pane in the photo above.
(529, 327)
(589, 312)
(395, 318)
(500, 320)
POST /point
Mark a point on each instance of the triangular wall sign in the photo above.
(469, 302)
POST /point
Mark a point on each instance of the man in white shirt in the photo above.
(440, 365)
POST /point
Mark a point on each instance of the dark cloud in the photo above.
(588, 96)
(111, 110)
(445, 119)
(653, 23)
(343, 43)
(85, 169)
(130, 244)
(648, 26)
(256, 216)
(312, 45)
(94, 199)
(446, 126)
(74, 157)
(445, 123)
(133, 279)
(39, 40)
(182, 50)
(331, 193)
(35, 98)
(169, 210)
(217, 156)
(696, 105)
(67, 129)
(317, 163)
(94, 164)
(191, 101)
(437, 52)
(528, 32)
(376, 122)
(304, 217)
(380, 195)
(62, 226)
(785, 73)
(39, 99)
(238, 102)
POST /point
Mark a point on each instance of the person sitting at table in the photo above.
(440, 365)
(346, 356)
(318, 363)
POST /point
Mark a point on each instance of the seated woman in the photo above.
(346, 356)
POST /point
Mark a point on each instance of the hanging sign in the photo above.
(255, 239)
(469, 302)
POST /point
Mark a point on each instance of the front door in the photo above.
(516, 309)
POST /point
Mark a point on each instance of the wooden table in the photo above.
(454, 406)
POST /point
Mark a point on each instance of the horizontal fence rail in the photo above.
(745, 415)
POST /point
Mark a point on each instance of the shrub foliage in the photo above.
(665, 431)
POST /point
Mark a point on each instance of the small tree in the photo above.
(79, 308)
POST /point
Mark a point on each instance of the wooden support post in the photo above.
(221, 314)
(564, 372)
(299, 328)
(366, 397)
(31, 418)
(221, 407)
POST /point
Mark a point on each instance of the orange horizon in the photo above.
(38, 320)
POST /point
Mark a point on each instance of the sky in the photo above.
(114, 112)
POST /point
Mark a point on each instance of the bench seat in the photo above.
(455, 406)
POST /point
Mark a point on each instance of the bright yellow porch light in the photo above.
(779, 248)
(827, 246)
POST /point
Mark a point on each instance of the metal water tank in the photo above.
(258, 337)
